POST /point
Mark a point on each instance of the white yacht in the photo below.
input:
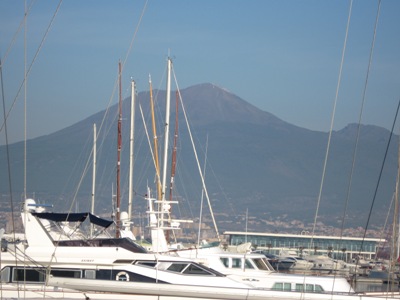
(26, 264)
(243, 265)
(254, 269)
(118, 268)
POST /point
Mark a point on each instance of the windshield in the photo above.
(263, 264)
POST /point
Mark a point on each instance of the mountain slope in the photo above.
(255, 161)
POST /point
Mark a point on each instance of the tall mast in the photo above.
(202, 195)
(155, 140)
(130, 195)
(119, 147)
(94, 173)
(166, 133)
(173, 166)
(173, 163)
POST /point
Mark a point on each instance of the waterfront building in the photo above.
(345, 248)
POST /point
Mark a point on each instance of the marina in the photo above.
(70, 253)
(120, 268)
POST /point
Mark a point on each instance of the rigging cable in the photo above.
(359, 124)
(25, 109)
(16, 34)
(33, 61)
(23, 84)
(8, 156)
(379, 178)
(197, 161)
(134, 34)
(202, 196)
(109, 103)
(25, 97)
(332, 122)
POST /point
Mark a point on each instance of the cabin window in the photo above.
(104, 274)
(225, 261)
(146, 263)
(66, 273)
(177, 267)
(188, 269)
(193, 269)
(282, 286)
(90, 274)
(261, 264)
(32, 275)
(124, 261)
(28, 275)
(4, 245)
(278, 286)
(237, 263)
(318, 288)
(248, 264)
(5, 274)
(308, 288)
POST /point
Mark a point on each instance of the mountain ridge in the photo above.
(261, 163)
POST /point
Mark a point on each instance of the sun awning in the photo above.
(99, 221)
(62, 217)
(74, 217)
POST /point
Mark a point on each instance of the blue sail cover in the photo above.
(62, 217)
(99, 221)
(74, 217)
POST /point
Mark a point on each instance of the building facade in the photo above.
(345, 248)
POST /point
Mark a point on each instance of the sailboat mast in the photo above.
(166, 130)
(155, 140)
(173, 164)
(202, 195)
(94, 173)
(130, 195)
(119, 147)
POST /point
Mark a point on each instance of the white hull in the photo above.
(120, 270)
(68, 288)
(135, 290)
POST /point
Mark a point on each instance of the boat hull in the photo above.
(150, 291)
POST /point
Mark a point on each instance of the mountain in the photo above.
(255, 162)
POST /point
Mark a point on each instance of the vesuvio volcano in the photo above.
(252, 160)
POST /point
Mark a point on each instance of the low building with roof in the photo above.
(345, 248)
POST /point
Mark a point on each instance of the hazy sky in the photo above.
(283, 56)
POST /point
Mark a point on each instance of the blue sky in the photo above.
(282, 56)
